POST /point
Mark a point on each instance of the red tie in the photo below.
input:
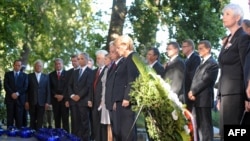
(96, 77)
(58, 75)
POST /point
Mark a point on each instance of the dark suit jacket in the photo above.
(159, 68)
(132, 74)
(69, 76)
(231, 62)
(110, 85)
(124, 75)
(58, 86)
(203, 83)
(97, 93)
(191, 65)
(174, 72)
(38, 93)
(20, 87)
(247, 67)
(81, 87)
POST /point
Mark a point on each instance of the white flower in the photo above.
(187, 130)
(174, 115)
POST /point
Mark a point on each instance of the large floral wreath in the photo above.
(163, 112)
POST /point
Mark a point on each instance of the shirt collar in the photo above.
(151, 65)
(190, 55)
(206, 57)
(171, 59)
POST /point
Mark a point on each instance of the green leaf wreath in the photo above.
(163, 112)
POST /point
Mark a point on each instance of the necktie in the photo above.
(202, 60)
(186, 60)
(16, 76)
(114, 66)
(58, 75)
(80, 73)
(96, 77)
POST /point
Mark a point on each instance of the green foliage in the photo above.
(162, 109)
(47, 29)
(216, 118)
(144, 19)
(193, 19)
(3, 113)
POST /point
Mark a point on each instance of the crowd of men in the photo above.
(98, 101)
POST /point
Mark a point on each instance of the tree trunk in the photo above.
(118, 15)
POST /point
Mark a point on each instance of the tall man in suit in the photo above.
(125, 75)
(192, 62)
(79, 91)
(58, 86)
(175, 70)
(152, 57)
(38, 95)
(99, 131)
(202, 91)
(15, 86)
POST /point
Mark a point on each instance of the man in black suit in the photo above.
(99, 131)
(109, 98)
(79, 91)
(58, 86)
(38, 95)
(15, 86)
(202, 92)
(125, 75)
(152, 57)
(175, 69)
(192, 61)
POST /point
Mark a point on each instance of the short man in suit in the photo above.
(58, 86)
(38, 95)
(202, 91)
(192, 61)
(152, 57)
(175, 70)
(15, 86)
(99, 131)
(79, 91)
(117, 60)
(125, 75)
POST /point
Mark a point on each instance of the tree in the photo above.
(46, 29)
(197, 20)
(118, 15)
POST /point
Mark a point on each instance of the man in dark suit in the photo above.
(58, 86)
(15, 85)
(125, 75)
(109, 98)
(152, 57)
(76, 66)
(79, 91)
(202, 92)
(175, 69)
(99, 131)
(38, 95)
(192, 61)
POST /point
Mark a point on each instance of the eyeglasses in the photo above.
(184, 46)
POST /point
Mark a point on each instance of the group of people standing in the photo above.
(94, 99)
(98, 100)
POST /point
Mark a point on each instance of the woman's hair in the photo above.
(238, 11)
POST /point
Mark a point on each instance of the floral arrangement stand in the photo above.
(163, 111)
